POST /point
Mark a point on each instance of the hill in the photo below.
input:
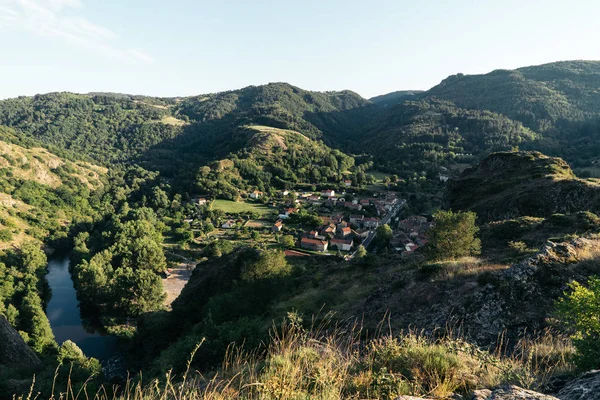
(539, 96)
(41, 192)
(518, 184)
(390, 99)
(273, 158)
(104, 127)
(426, 134)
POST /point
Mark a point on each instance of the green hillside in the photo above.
(274, 158)
(511, 185)
(40, 192)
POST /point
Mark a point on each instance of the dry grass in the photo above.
(332, 363)
(462, 267)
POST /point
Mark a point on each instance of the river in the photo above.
(64, 314)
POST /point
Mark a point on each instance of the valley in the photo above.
(287, 243)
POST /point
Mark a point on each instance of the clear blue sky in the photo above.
(187, 47)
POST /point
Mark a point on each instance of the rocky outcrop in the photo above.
(519, 299)
(586, 387)
(516, 184)
(14, 352)
(510, 393)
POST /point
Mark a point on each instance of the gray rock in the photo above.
(585, 387)
(14, 352)
(510, 393)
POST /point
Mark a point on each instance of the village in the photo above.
(313, 223)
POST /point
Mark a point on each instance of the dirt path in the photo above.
(173, 285)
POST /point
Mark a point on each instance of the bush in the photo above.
(5, 235)
(579, 310)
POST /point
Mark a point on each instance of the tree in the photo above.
(288, 241)
(361, 251)
(270, 264)
(453, 235)
(383, 235)
(579, 310)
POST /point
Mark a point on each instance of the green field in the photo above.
(379, 176)
(234, 207)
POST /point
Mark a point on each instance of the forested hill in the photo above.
(539, 96)
(274, 158)
(171, 134)
(551, 108)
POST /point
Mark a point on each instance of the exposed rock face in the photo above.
(586, 387)
(520, 298)
(518, 184)
(510, 393)
(14, 352)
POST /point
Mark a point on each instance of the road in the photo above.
(385, 220)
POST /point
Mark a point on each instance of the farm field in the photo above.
(235, 207)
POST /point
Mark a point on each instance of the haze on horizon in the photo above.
(187, 47)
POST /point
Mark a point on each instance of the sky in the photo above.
(191, 47)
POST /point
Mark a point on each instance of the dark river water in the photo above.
(64, 315)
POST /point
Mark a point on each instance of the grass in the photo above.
(379, 176)
(331, 362)
(234, 207)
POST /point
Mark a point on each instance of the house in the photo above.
(328, 230)
(341, 244)
(202, 201)
(313, 244)
(277, 226)
(228, 224)
(256, 194)
(289, 211)
(371, 223)
(328, 193)
(336, 219)
(356, 219)
(315, 200)
(285, 192)
(345, 232)
(352, 206)
(347, 183)
(365, 202)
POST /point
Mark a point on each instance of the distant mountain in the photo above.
(515, 184)
(422, 135)
(393, 98)
(552, 108)
(539, 96)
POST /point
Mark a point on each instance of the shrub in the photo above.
(579, 309)
(5, 235)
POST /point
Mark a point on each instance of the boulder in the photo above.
(510, 392)
(586, 387)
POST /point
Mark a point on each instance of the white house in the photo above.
(341, 244)
(228, 224)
